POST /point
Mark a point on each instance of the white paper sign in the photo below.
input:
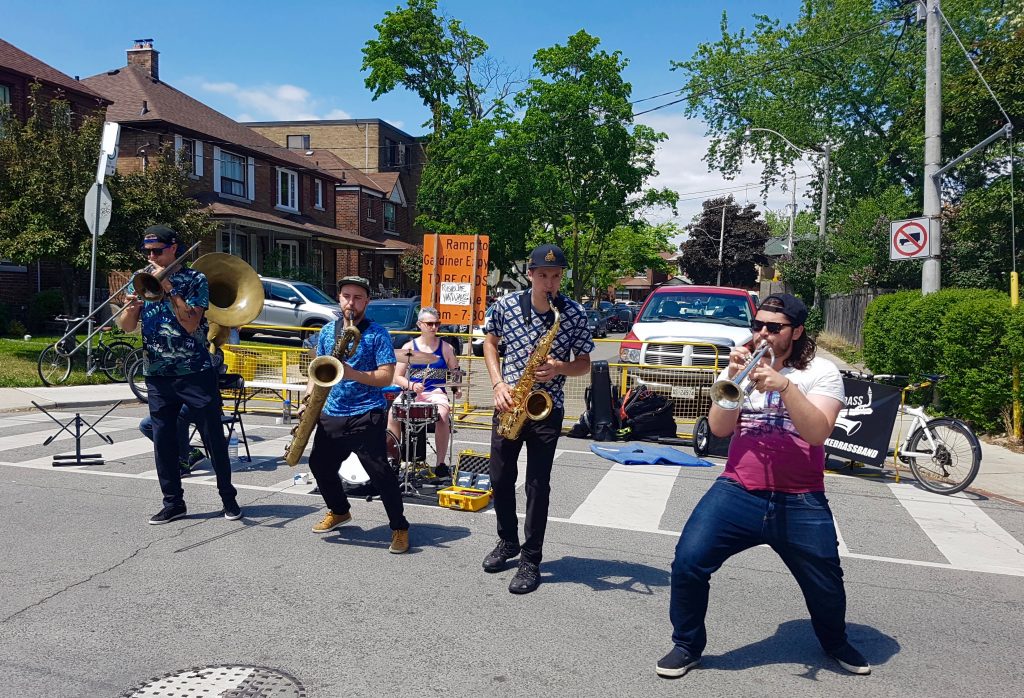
(456, 294)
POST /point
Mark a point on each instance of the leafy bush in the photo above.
(17, 328)
(815, 322)
(43, 307)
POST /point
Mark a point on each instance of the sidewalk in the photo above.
(1002, 470)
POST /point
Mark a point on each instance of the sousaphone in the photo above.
(236, 293)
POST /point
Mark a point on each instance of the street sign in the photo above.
(911, 239)
(455, 277)
(98, 197)
(108, 150)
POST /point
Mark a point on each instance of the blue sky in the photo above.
(263, 61)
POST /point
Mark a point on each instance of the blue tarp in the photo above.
(647, 454)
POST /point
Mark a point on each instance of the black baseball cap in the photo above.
(160, 233)
(787, 304)
(355, 280)
(548, 256)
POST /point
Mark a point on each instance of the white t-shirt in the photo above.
(766, 452)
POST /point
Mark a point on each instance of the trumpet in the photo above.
(726, 393)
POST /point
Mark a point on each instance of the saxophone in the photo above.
(527, 402)
(325, 372)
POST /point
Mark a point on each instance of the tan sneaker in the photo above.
(399, 542)
(332, 521)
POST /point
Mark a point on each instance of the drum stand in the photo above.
(77, 458)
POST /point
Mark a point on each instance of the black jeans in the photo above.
(540, 439)
(335, 439)
(166, 396)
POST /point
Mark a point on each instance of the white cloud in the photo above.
(273, 102)
(682, 169)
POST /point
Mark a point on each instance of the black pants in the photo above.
(335, 439)
(540, 439)
(166, 396)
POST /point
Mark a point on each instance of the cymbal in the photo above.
(411, 356)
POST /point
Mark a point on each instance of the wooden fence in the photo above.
(844, 313)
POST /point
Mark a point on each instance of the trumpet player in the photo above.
(354, 417)
(772, 491)
(179, 370)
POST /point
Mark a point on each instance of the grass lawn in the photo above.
(18, 361)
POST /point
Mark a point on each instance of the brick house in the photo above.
(18, 72)
(269, 202)
(381, 166)
(637, 288)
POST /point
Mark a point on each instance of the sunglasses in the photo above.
(773, 327)
(147, 251)
(431, 324)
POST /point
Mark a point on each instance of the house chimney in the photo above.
(143, 55)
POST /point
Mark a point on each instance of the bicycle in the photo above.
(135, 377)
(943, 453)
(55, 360)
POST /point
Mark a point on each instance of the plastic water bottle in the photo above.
(233, 447)
(287, 410)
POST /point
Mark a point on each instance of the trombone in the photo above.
(151, 291)
(726, 393)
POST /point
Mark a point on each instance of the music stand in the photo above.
(77, 458)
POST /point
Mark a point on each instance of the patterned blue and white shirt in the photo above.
(349, 398)
(522, 331)
(169, 349)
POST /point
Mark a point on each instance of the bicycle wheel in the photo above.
(115, 358)
(54, 367)
(956, 458)
(136, 380)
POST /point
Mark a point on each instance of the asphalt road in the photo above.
(96, 601)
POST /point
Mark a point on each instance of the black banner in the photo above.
(864, 427)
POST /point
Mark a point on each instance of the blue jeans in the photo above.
(184, 422)
(729, 519)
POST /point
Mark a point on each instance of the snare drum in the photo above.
(415, 412)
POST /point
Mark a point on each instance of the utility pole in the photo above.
(822, 222)
(721, 244)
(792, 216)
(931, 272)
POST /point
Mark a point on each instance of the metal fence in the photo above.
(686, 386)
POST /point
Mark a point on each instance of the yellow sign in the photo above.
(455, 277)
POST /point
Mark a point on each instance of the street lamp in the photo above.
(823, 218)
(721, 240)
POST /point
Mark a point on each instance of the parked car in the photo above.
(713, 318)
(620, 319)
(597, 325)
(399, 315)
(294, 304)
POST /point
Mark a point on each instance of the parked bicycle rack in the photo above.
(77, 458)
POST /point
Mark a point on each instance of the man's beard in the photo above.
(357, 315)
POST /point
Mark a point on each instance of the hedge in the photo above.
(972, 336)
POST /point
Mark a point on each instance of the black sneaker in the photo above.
(676, 663)
(442, 470)
(502, 553)
(232, 512)
(195, 457)
(527, 578)
(167, 514)
(851, 660)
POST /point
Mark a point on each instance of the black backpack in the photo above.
(645, 415)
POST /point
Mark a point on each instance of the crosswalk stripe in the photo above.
(633, 497)
(954, 524)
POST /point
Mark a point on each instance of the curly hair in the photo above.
(803, 349)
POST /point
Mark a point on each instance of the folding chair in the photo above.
(234, 385)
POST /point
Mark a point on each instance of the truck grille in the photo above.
(702, 355)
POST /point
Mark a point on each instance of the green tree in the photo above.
(589, 162)
(631, 250)
(742, 244)
(47, 165)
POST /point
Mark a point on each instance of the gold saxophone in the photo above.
(527, 402)
(325, 372)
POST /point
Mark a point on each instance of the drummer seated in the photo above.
(426, 381)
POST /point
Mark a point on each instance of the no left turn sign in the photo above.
(910, 239)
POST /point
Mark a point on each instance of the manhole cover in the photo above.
(223, 681)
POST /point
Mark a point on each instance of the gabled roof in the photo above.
(343, 169)
(15, 60)
(389, 184)
(130, 86)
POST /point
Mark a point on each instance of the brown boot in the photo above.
(399, 542)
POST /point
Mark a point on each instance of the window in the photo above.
(389, 217)
(279, 292)
(190, 151)
(5, 94)
(298, 142)
(394, 153)
(369, 209)
(287, 189)
(289, 250)
(236, 244)
(318, 194)
(232, 174)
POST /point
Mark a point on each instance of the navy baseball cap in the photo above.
(548, 256)
(787, 304)
(160, 233)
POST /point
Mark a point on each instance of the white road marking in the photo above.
(632, 497)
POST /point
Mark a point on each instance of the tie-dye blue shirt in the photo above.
(169, 350)
(348, 397)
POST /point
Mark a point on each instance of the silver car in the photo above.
(295, 304)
